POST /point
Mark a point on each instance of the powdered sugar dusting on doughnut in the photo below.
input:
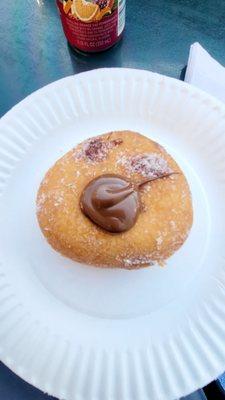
(96, 149)
(150, 165)
(57, 197)
(138, 261)
(159, 241)
(40, 202)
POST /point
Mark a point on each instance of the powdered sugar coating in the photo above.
(96, 149)
(138, 261)
(150, 165)
(159, 241)
(57, 196)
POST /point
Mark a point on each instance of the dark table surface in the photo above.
(34, 52)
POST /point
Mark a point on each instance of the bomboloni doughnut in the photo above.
(116, 200)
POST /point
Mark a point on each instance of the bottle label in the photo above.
(92, 25)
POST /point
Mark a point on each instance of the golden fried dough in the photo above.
(165, 216)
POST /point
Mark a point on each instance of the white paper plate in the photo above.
(82, 333)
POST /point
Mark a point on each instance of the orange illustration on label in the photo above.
(88, 11)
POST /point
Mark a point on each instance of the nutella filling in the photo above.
(111, 202)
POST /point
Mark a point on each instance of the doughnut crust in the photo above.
(166, 206)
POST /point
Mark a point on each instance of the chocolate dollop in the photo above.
(111, 202)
